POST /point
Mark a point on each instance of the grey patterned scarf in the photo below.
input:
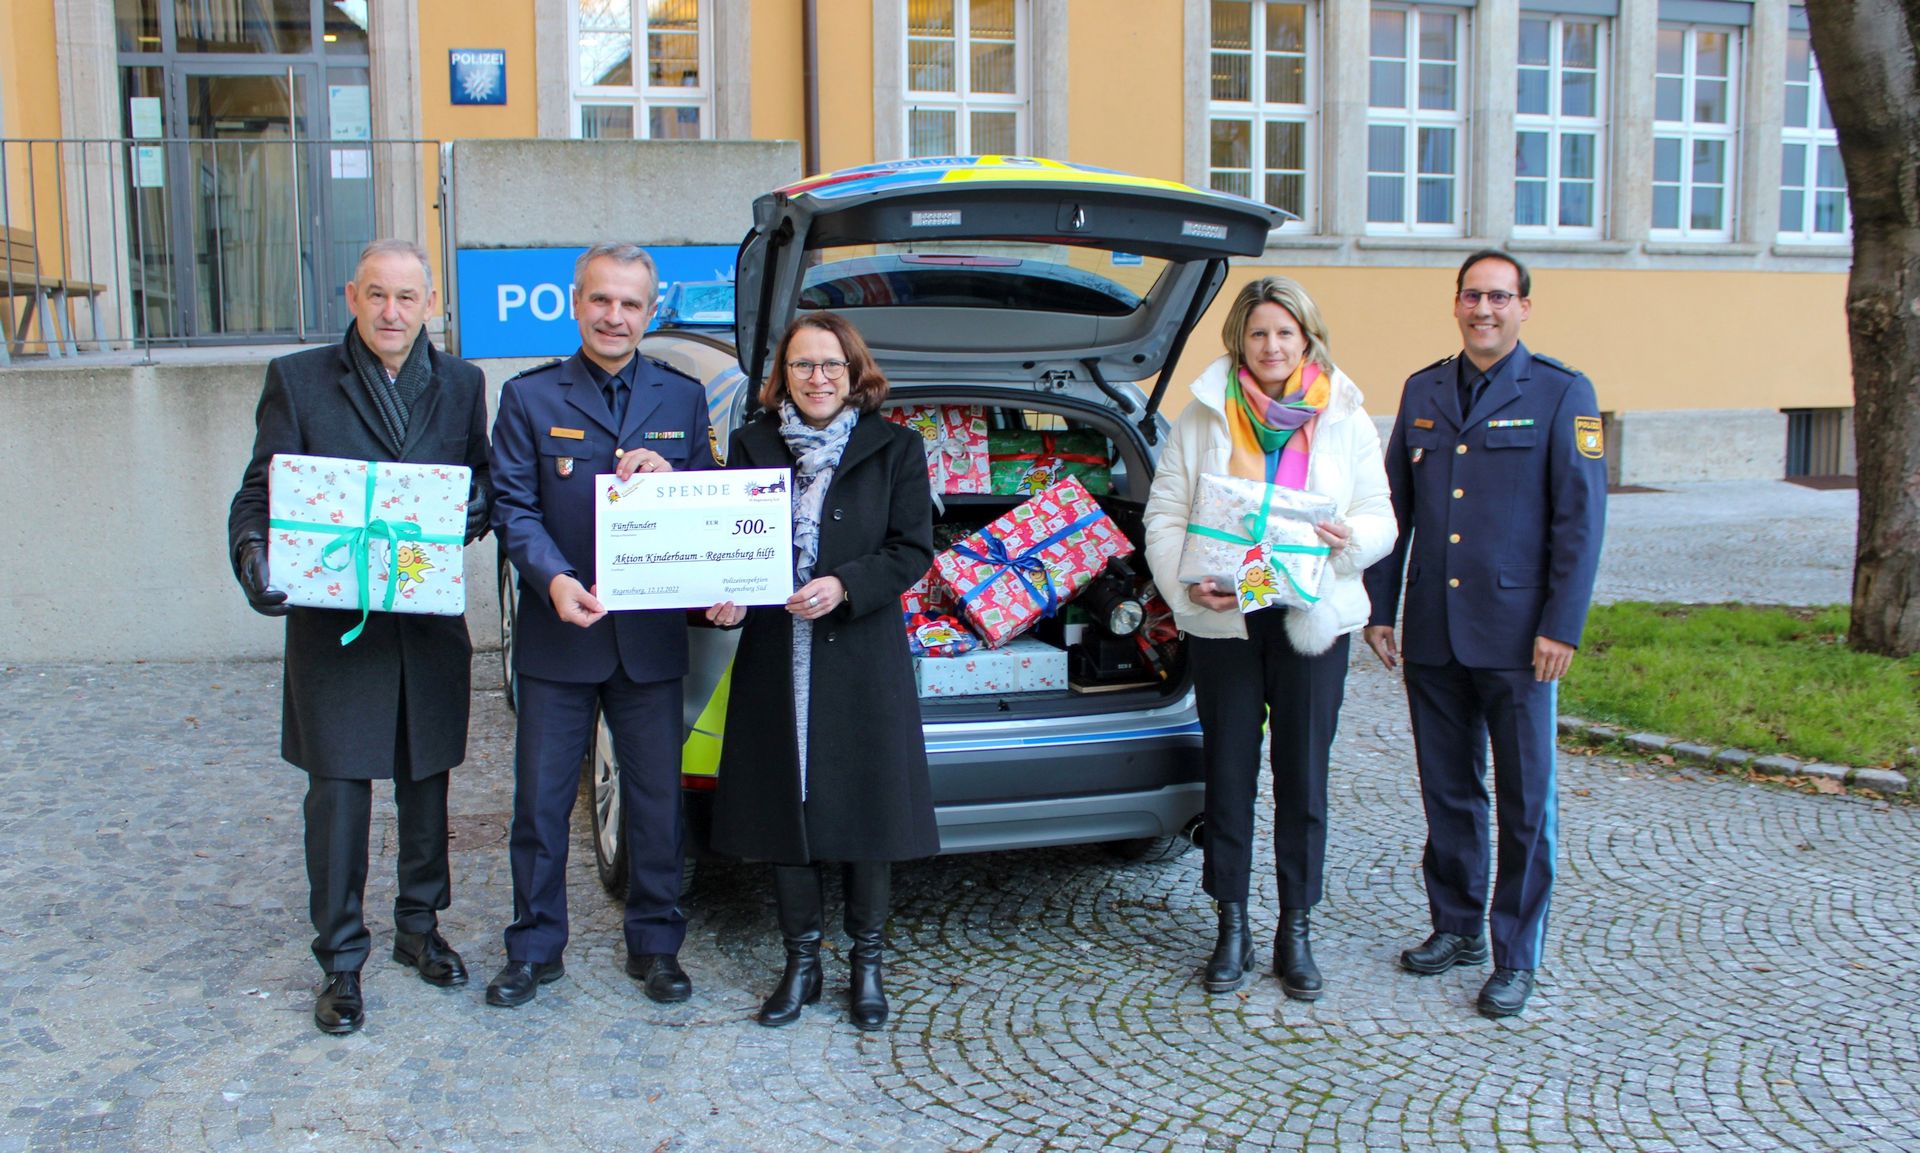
(816, 454)
(392, 398)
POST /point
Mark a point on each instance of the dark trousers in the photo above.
(339, 814)
(556, 728)
(1238, 684)
(1455, 710)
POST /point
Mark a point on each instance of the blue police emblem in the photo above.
(478, 75)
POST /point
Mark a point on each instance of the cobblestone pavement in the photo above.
(1731, 967)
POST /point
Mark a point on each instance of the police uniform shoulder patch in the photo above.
(1589, 437)
(713, 446)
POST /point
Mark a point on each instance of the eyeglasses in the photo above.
(1471, 297)
(834, 369)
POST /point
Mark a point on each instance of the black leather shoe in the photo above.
(430, 956)
(517, 981)
(1232, 950)
(1505, 993)
(1443, 951)
(1293, 957)
(339, 1008)
(661, 976)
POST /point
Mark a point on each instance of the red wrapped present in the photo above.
(926, 595)
(956, 444)
(1026, 564)
(938, 635)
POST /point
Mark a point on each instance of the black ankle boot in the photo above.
(869, 892)
(1293, 957)
(1232, 952)
(796, 898)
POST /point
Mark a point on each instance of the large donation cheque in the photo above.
(1026, 564)
(369, 535)
(1258, 539)
(689, 540)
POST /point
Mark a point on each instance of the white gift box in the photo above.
(1022, 665)
(1231, 516)
(368, 535)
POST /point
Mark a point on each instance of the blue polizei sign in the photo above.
(519, 301)
(478, 75)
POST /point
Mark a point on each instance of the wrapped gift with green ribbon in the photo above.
(1024, 463)
(371, 536)
(1257, 538)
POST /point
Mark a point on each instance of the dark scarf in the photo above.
(392, 398)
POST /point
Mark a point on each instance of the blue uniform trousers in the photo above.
(1454, 710)
(556, 728)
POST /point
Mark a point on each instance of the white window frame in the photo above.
(963, 101)
(1690, 132)
(1811, 138)
(1412, 119)
(640, 96)
(1257, 113)
(1556, 124)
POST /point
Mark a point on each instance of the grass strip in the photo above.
(1767, 678)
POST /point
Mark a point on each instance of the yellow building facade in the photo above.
(1663, 165)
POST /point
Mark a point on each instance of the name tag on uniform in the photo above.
(1510, 424)
(1422, 422)
(677, 434)
(568, 433)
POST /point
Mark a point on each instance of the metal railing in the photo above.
(134, 244)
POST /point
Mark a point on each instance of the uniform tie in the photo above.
(615, 390)
(1470, 391)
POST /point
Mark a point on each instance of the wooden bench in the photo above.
(23, 276)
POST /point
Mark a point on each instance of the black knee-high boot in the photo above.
(869, 893)
(796, 897)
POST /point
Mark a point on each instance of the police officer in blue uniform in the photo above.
(1498, 471)
(604, 409)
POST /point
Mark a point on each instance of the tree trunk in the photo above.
(1867, 55)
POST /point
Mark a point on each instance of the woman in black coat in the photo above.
(823, 757)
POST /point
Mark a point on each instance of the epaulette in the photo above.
(542, 367)
(1552, 363)
(664, 366)
(1445, 360)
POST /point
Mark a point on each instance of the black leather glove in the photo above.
(478, 510)
(250, 564)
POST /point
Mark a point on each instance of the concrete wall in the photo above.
(114, 546)
(1725, 444)
(516, 193)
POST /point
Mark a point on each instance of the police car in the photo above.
(1057, 298)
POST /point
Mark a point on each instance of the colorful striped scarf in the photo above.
(1265, 447)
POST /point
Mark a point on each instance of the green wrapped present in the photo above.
(1024, 463)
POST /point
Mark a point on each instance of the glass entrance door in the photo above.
(249, 200)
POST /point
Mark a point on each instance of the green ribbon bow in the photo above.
(357, 543)
(1256, 525)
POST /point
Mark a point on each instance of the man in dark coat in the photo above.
(604, 409)
(1499, 478)
(391, 705)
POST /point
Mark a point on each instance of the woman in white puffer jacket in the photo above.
(1273, 409)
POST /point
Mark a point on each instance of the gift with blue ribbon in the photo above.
(1024, 565)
